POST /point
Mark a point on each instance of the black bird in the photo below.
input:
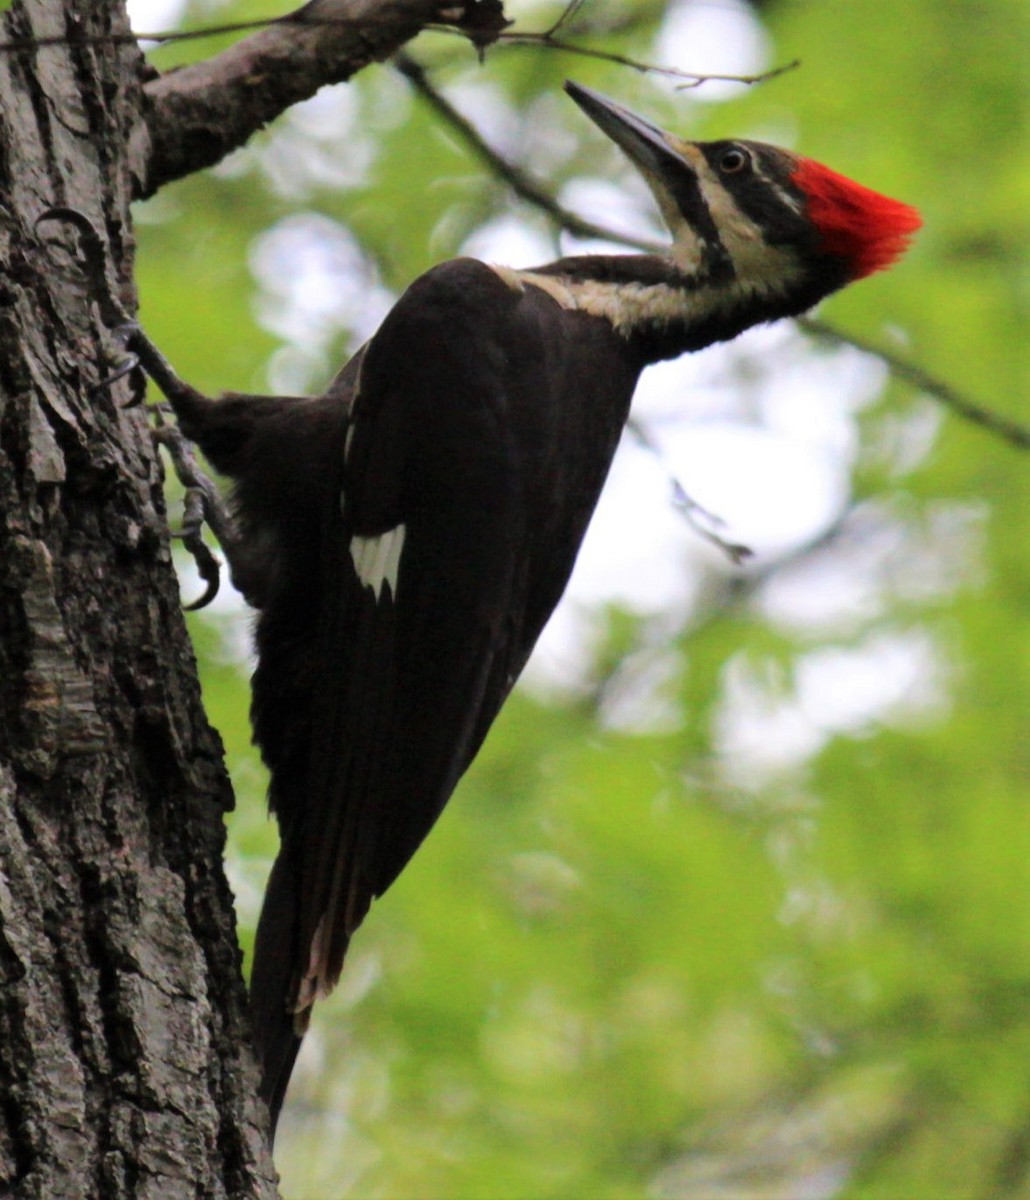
(406, 536)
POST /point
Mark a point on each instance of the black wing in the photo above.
(463, 482)
(405, 621)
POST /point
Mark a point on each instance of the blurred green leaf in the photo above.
(777, 944)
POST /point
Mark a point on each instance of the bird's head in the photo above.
(752, 215)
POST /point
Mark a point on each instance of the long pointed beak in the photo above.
(671, 170)
(646, 144)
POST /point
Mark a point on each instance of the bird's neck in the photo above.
(661, 309)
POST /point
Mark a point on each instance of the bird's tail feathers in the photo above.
(277, 1029)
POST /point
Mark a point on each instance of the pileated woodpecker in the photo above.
(406, 536)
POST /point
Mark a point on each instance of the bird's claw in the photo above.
(202, 505)
(126, 368)
(194, 516)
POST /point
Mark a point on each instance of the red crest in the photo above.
(868, 229)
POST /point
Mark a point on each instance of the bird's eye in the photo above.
(734, 160)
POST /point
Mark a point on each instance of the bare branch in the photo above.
(480, 21)
(528, 189)
(201, 112)
(520, 181)
(1008, 430)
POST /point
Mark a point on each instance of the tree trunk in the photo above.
(125, 1060)
(125, 1067)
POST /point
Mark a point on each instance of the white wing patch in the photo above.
(377, 560)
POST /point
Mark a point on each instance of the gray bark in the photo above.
(125, 1062)
(125, 1067)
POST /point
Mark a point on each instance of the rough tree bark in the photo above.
(125, 1067)
(123, 1061)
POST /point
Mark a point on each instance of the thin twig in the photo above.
(703, 521)
(566, 15)
(902, 368)
(691, 79)
(528, 189)
(544, 38)
(520, 181)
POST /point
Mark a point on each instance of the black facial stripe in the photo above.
(764, 194)
(686, 192)
(788, 198)
(624, 269)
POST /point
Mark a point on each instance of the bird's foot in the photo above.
(202, 505)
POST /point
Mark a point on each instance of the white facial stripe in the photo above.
(786, 197)
(759, 267)
(377, 560)
(689, 248)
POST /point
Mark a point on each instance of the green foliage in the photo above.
(687, 959)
